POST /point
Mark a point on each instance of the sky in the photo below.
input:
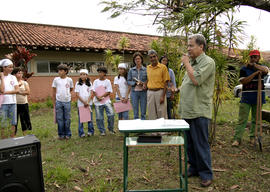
(87, 14)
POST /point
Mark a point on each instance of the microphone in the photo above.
(182, 65)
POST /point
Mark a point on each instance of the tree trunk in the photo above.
(259, 4)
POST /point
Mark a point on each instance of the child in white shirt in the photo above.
(122, 89)
(9, 89)
(83, 90)
(62, 86)
(101, 89)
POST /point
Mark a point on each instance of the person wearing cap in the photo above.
(62, 88)
(102, 89)
(137, 77)
(157, 79)
(9, 88)
(249, 80)
(122, 89)
(84, 94)
(196, 96)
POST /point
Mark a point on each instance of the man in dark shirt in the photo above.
(249, 79)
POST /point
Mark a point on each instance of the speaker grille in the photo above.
(14, 187)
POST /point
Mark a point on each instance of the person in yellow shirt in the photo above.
(157, 78)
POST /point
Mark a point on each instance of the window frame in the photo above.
(49, 73)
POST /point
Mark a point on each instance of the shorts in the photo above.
(8, 113)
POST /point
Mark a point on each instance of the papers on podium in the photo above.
(138, 124)
(121, 107)
(85, 114)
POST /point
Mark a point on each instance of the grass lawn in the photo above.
(95, 163)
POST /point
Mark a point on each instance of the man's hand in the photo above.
(259, 72)
(144, 86)
(189, 69)
(185, 59)
(161, 99)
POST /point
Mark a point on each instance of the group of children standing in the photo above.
(14, 103)
(13, 99)
(88, 94)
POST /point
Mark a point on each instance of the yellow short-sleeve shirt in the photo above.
(157, 76)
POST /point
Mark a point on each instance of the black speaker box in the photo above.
(21, 165)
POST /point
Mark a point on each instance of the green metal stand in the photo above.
(166, 141)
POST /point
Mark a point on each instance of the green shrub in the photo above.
(49, 102)
(34, 106)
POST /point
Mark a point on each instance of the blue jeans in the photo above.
(8, 114)
(199, 155)
(89, 123)
(123, 115)
(139, 97)
(100, 117)
(62, 110)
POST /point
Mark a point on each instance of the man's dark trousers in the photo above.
(199, 155)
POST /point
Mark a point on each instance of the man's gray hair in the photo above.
(152, 51)
(199, 40)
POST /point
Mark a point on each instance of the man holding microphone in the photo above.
(196, 94)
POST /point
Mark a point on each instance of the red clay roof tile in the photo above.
(40, 35)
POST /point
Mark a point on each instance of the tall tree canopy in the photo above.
(175, 14)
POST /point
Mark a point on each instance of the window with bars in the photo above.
(74, 66)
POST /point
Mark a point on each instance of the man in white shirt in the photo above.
(62, 86)
(9, 89)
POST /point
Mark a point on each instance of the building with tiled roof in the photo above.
(59, 44)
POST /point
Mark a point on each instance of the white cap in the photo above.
(122, 65)
(84, 71)
(5, 62)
